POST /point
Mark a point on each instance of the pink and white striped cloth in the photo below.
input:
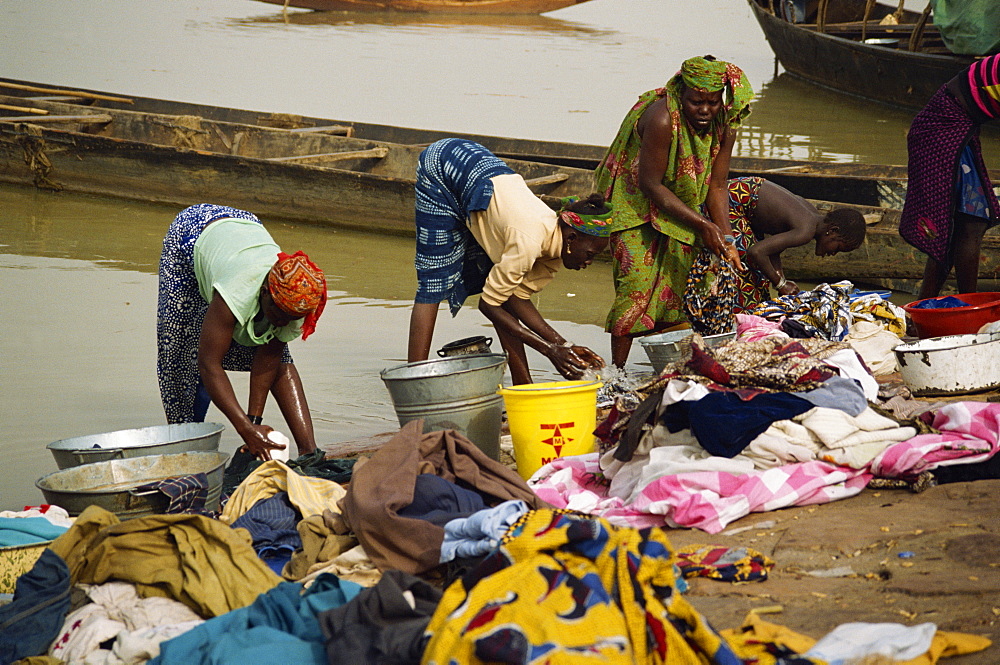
(709, 500)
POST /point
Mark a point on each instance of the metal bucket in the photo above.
(457, 393)
(466, 346)
(112, 484)
(129, 443)
(666, 348)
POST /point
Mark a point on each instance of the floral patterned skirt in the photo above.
(650, 272)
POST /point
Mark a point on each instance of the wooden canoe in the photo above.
(900, 64)
(299, 175)
(316, 174)
(433, 6)
(860, 184)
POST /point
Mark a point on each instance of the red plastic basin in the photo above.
(983, 308)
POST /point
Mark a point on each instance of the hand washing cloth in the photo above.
(181, 307)
(453, 179)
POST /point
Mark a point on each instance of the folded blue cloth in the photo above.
(16, 531)
(724, 424)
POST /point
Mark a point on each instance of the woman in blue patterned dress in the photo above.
(229, 299)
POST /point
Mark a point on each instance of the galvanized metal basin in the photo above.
(458, 393)
(665, 348)
(129, 443)
(955, 364)
(112, 484)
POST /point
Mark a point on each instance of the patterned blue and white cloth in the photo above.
(453, 180)
(180, 311)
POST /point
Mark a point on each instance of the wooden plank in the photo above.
(553, 179)
(373, 153)
(71, 93)
(89, 118)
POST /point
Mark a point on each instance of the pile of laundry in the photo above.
(430, 553)
(767, 421)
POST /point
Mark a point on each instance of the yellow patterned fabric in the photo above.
(873, 308)
(763, 643)
(571, 588)
(730, 564)
(310, 494)
(16, 561)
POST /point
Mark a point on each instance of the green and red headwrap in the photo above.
(593, 225)
(713, 75)
(298, 286)
(704, 74)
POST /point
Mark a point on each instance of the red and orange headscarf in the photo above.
(298, 286)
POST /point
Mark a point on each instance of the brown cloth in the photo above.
(385, 485)
(203, 563)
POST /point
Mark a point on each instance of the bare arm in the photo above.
(717, 201)
(657, 135)
(216, 335)
(766, 254)
(508, 318)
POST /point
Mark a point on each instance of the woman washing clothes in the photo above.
(766, 220)
(230, 299)
(670, 156)
(480, 229)
(949, 196)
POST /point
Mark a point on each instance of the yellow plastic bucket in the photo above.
(550, 420)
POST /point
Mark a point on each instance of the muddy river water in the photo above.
(78, 294)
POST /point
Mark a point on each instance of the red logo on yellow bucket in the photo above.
(557, 440)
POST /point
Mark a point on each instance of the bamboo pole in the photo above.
(821, 15)
(917, 36)
(864, 24)
(98, 118)
(23, 109)
(377, 153)
(70, 93)
(547, 180)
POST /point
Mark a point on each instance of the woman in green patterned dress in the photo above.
(668, 162)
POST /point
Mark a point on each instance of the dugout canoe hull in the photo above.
(309, 177)
(835, 57)
(860, 184)
(432, 6)
(279, 174)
